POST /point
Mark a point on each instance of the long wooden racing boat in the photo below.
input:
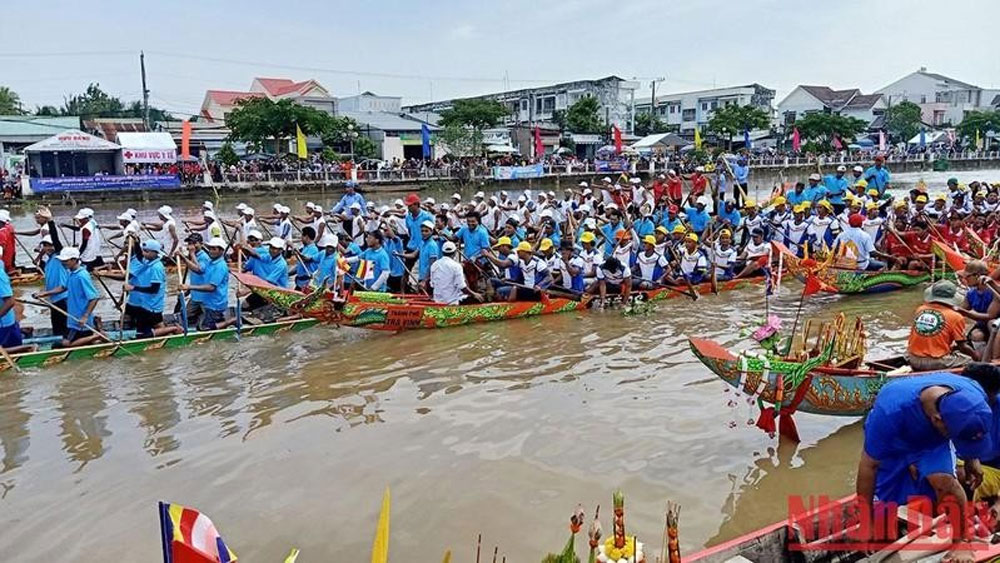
(47, 356)
(846, 281)
(386, 311)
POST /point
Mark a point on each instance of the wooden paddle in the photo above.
(44, 303)
(180, 295)
(128, 267)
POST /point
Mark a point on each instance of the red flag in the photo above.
(796, 140)
(618, 138)
(186, 140)
(539, 147)
(836, 143)
(815, 285)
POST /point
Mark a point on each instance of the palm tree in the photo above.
(10, 102)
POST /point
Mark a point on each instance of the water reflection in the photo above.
(82, 401)
(14, 417)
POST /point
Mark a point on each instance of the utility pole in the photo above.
(652, 97)
(145, 90)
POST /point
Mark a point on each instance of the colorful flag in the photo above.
(425, 140)
(618, 138)
(746, 139)
(697, 138)
(881, 140)
(300, 143)
(539, 147)
(186, 140)
(837, 144)
(189, 536)
(366, 270)
(796, 140)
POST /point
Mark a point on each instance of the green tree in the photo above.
(460, 140)
(475, 113)
(134, 109)
(729, 121)
(50, 111)
(258, 121)
(903, 120)
(584, 116)
(343, 133)
(647, 123)
(821, 128)
(94, 102)
(982, 121)
(10, 102)
(227, 155)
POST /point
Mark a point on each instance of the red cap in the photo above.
(856, 220)
(879, 158)
(412, 199)
(673, 209)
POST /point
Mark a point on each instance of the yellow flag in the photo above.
(292, 556)
(300, 142)
(697, 138)
(447, 554)
(380, 547)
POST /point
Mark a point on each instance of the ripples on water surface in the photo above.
(500, 429)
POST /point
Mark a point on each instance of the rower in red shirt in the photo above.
(674, 187)
(7, 240)
(955, 236)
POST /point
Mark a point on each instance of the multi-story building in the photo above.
(686, 110)
(942, 100)
(804, 100)
(537, 105)
(368, 101)
(218, 103)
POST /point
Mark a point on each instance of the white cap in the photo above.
(584, 209)
(504, 193)
(445, 207)
(165, 210)
(209, 214)
(815, 176)
(448, 247)
(398, 203)
(546, 213)
(456, 196)
(590, 223)
(661, 177)
(699, 168)
(84, 213)
(522, 199)
(588, 191)
(121, 217)
(703, 200)
(248, 210)
(383, 210)
(430, 201)
(552, 193)
(255, 234)
(841, 168)
(131, 212)
(46, 240)
(428, 224)
(216, 242)
(310, 205)
(276, 242)
(4, 215)
(635, 181)
(208, 205)
(480, 195)
(284, 209)
(241, 206)
(494, 199)
(68, 253)
(858, 169)
(328, 240)
(276, 207)
(355, 205)
(606, 180)
(370, 204)
(583, 185)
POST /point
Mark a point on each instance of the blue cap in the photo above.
(152, 245)
(351, 184)
(967, 418)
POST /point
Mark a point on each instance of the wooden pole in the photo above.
(128, 267)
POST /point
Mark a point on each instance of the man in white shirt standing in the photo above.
(448, 279)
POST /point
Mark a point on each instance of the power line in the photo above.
(65, 54)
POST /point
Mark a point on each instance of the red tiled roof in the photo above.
(229, 97)
(109, 128)
(282, 86)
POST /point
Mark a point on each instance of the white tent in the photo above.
(147, 147)
(660, 140)
(72, 140)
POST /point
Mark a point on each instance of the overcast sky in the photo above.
(428, 49)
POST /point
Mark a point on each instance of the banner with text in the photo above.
(100, 183)
(147, 156)
(518, 172)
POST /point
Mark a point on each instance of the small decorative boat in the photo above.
(129, 345)
(847, 281)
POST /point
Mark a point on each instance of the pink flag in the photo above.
(618, 138)
(796, 140)
(836, 143)
(881, 140)
(539, 147)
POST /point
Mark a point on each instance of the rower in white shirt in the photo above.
(447, 278)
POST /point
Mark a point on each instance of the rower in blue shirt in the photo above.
(729, 216)
(815, 191)
(10, 329)
(878, 175)
(836, 188)
(82, 298)
(397, 269)
(196, 259)
(272, 268)
(377, 259)
(610, 230)
(147, 292)
(307, 259)
(473, 236)
(426, 253)
(351, 196)
(56, 278)
(797, 195)
(415, 218)
(697, 216)
(213, 289)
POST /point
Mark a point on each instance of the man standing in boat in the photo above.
(908, 446)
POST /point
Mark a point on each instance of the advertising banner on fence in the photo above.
(518, 172)
(614, 165)
(143, 156)
(99, 183)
